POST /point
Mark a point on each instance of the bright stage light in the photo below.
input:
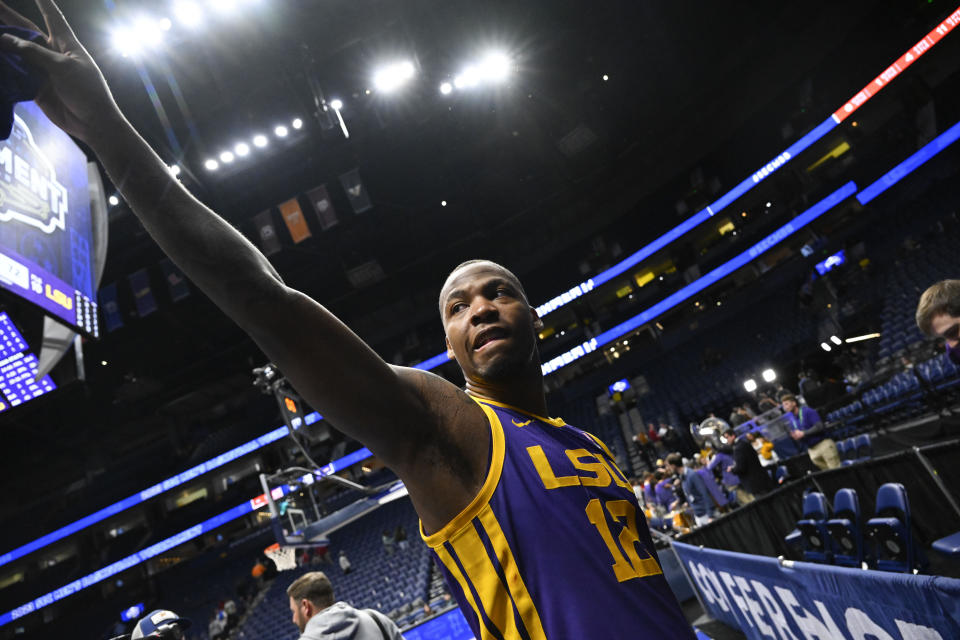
(750, 385)
(769, 375)
(605, 77)
(226, 157)
(826, 347)
(188, 13)
(467, 79)
(281, 131)
(211, 165)
(336, 104)
(443, 203)
(835, 340)
(224, 5)
(174, 170)
(446, 88)
(393, 76)
(241, 149)
(297, 123)
(165, 24)
(148, 32)
(494, 67)
(113, 200)
(126, 42)
(260, 140)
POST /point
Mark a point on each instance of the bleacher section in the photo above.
(378, 580)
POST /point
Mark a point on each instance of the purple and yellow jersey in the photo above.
(554, 545)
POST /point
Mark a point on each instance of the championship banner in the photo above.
(806, 601)
(296, 223)
(269, 242)
(176, 282)
(323, 207)
(110, 307)
(142, 294)
(356, 192)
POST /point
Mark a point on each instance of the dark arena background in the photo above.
(724, 213)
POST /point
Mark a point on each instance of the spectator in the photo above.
(654, 438)
(748, 410)
(938, 315)
(754, 481)
(698, 496)
(737, 417)
(401, 537)
(720, 498)
(809, 428)
(649, 493)
(319, 617)
(666, 496)
(158, 623)
(642, 442)
(388, 541)
(344, 562)
(723, 460)
(766, 403)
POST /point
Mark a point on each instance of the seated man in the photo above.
(808, 430)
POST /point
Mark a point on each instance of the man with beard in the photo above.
(320, 617)
(518, 508)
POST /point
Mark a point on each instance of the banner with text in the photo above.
(806, 601)
(296, 223)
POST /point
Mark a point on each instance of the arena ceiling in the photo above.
(610, 107)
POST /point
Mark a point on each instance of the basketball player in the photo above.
(537, 531)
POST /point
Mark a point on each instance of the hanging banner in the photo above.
(176, 282)
(802, 600)
(267, 233)
(110, 307)
(142, 294)
(356, 191)
(296, 223)
(323, 207)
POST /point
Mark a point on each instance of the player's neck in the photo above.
(524, 391)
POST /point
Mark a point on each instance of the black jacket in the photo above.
(746, 465)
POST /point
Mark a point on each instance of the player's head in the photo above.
(938, 314)
(489, 324)
(309, 594)
(789, 402)
(160, 624)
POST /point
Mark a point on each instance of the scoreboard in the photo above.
(18, 367)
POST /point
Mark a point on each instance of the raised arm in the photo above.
(405, 416)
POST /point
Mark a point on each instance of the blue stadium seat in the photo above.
(949, 545)
(864, 447)
(813, 528)
(844, 529)
(890, 531)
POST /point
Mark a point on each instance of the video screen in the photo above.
(46, 227)
(18, 367)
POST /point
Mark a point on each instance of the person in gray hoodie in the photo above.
(320, 617)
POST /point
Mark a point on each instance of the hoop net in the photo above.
(284, 557)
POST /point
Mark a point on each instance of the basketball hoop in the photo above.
(284, 557)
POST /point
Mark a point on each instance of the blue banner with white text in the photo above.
(802, 600)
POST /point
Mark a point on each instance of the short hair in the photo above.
(467, 263)
(314, 586)
(675, 460)
(942, 297)
(730, 432)
(788, 396)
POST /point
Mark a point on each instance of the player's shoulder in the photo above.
(448, 404)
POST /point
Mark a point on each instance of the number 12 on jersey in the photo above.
(627, 564)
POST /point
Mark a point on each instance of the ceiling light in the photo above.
(443, 203)
(868, 336)
(241, 149)
(148, 32)
(260, 140)
(126, 42)
(226, 156)
(393, 76)
(769, 204)
(281, 131)
(174, 170)
(494, 67)
(224, 5)
(210, 164)
(103, 363)
(468, 78)
(769, 375)
(336, 104)
(446, 88)
(750, 385)
(113, 200)
(825, 347)
(297, 123)
(835, 340)
(189, 13)
(605, 77)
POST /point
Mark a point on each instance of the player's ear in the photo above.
(449, 348)
(537, 322)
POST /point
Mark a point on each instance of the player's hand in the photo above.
(75, 96)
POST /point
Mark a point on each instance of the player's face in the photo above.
(947, 327)
(490, 327)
